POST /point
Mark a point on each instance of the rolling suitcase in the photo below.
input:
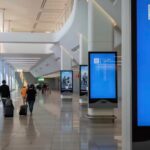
(23, 110)
(9, 108)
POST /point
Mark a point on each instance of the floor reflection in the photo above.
(66, 116)
(55, 125)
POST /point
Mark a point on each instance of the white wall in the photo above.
(49, 65)
(114, 10)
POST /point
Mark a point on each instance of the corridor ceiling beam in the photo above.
(22, 37)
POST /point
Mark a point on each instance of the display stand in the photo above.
(66, 97)
(99, 42)
(103, 115)
(66, 65)
(83, 100)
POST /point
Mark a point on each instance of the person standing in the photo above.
(4, 92)
(31, 95)
(24, 94)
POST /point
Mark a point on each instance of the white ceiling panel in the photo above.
(24, 56)
(49, 17)
(23, 14)
(25, 48)
(45, 27)
(18, 9)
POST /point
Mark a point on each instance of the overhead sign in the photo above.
(41, 79)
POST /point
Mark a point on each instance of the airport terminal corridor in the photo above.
(87, 63)
(55, 125)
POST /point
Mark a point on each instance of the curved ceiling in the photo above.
(35, 15)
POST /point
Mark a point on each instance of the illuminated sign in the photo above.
(41, 79)
(66, 80)
(140, 70)
(102, 76)
(83, 80)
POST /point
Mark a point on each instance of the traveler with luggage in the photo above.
(24, 94)
(4, 92)
(31, 95)
(24, 107)
(7, 102)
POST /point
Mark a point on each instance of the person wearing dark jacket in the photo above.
(4, 92)
(31, 95)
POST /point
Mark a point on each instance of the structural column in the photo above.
(83, 60)
(100, 38)
(126, 75)
(66, 64)
(83, 50)
(10, 76)
(1, 72)
(13, 79)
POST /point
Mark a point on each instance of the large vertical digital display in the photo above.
(141, 69)
(83, 80)
(102, 76)
(66, 80)
(143, 62)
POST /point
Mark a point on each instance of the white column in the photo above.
(66, 64)
(83, 53)
(1, 72)
(100, 38)
(13, 79)
(8, 74)
(126, 75)
(10, 77)
(100, 29)
(66, 59)
(83, 50)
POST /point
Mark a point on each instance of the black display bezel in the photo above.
(94, 100)
(139, 133)
(62, 90)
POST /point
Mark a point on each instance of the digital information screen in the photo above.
(83, 80)
(66, 80)
(141, 69)
(103, 76)
(143, 62)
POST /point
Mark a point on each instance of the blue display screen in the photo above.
(102, 76)
(66, 80)
(143, 62)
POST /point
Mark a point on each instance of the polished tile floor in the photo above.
(55, 125)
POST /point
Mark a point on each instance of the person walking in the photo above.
(24, 94)
(4, 92)
(31, 95)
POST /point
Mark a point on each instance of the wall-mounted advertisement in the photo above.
(83, 80)
(66, 80)
(140, 70)
(102, 77)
